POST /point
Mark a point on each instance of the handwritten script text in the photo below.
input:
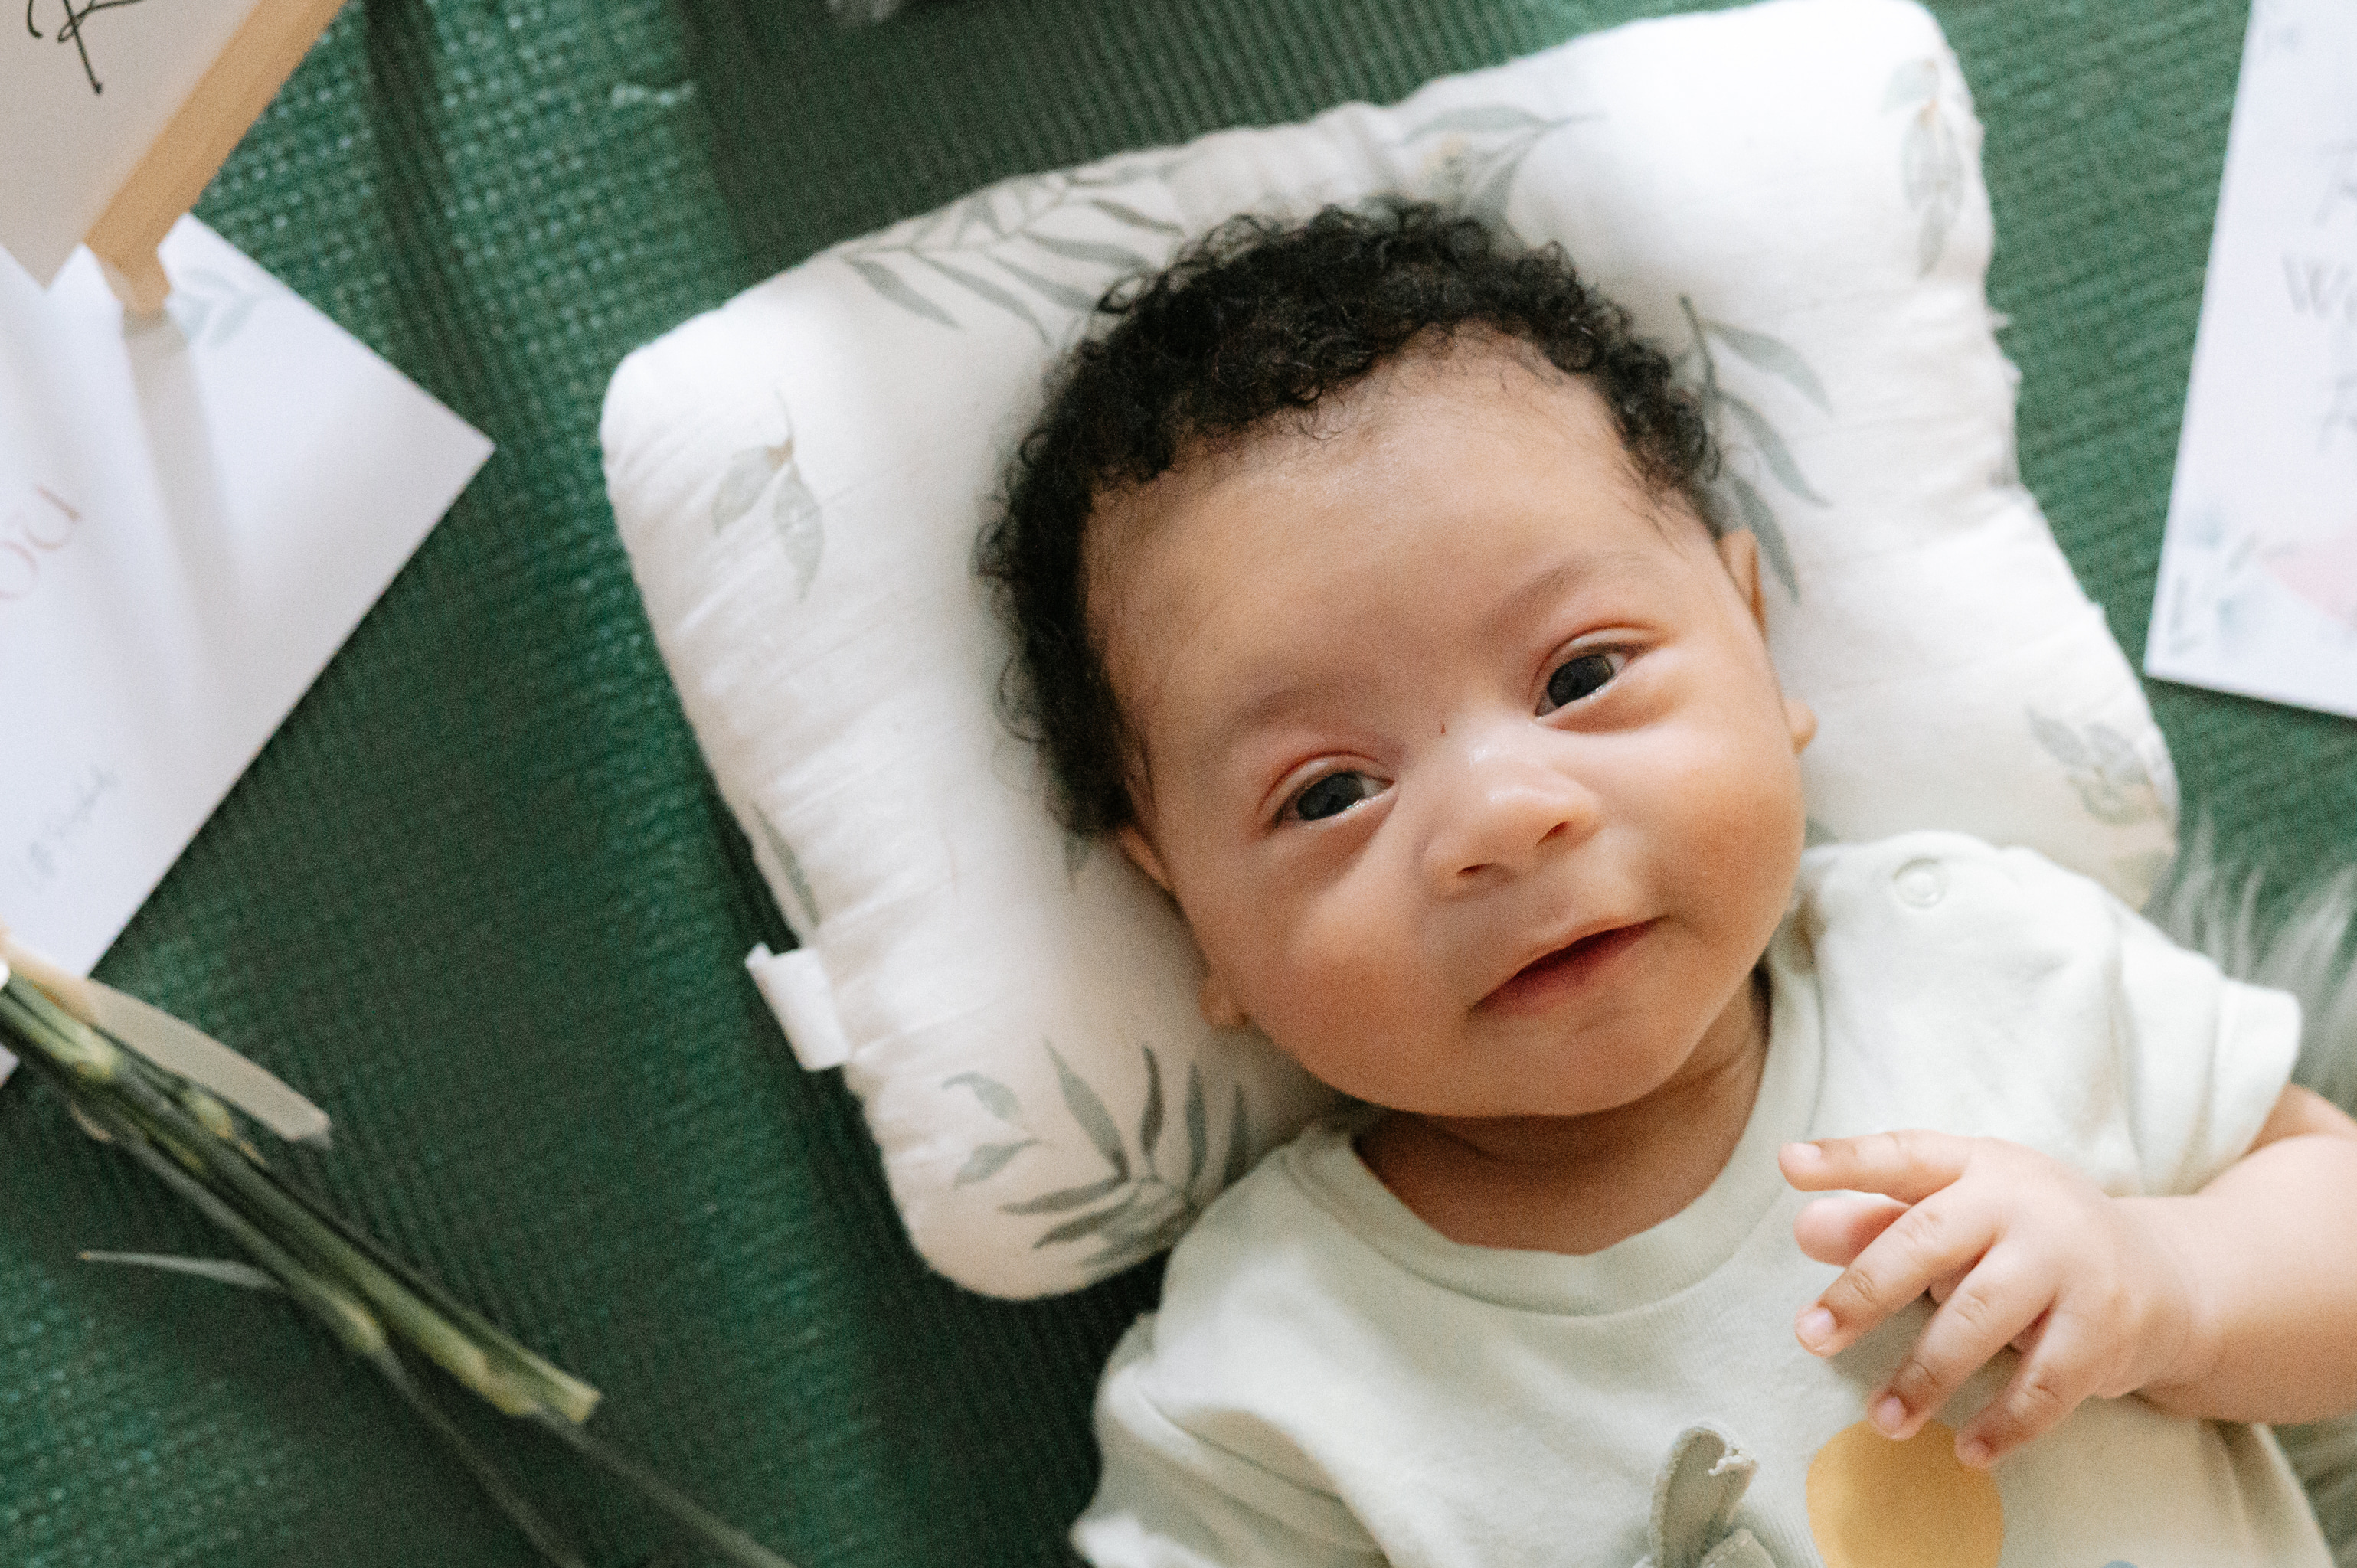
(68, 28)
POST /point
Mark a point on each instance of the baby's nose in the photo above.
(1506, 810)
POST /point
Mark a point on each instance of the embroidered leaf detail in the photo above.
(1198, 1125)
(996, 1097)
(220, 1270)
(886, 282)
(799, 527)
(1133, 217)
(1150, 1121)
(1091, 1113)
(749, 473)
(1761, 521)
(1775, 356)
(1239, 1142)
(988, 1161)
(982, 288)
(1480, 118)
(1772, 448)
(1068, 1197)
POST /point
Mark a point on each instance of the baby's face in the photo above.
(1463, 754)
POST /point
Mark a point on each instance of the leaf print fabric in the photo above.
(1143, 1207)
(1930, 164)
(799, 476)
(1002, 247)
(757, 472)
(1751, 429)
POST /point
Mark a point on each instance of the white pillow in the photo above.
(1788, 197)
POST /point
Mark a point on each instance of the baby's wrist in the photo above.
(2186, 1336)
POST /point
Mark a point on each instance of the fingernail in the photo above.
(1973, 1451)
(1890, 1415)
(1803, 1153)
(1816, 1326)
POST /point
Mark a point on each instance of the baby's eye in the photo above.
(1333, 795)
(1582, 675)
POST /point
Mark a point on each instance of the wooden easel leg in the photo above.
(138, 281)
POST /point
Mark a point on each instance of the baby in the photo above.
(1368, 595)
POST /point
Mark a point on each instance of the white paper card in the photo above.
(84, 89)
(2258, 569)
(194, 514)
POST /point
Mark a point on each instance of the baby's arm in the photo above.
(2238, 1302)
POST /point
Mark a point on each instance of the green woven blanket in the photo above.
(477, 897)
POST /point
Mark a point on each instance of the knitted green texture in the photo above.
(476, 899)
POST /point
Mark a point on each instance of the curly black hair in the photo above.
(1256, 319)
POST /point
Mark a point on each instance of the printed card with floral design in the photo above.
(2258, 571)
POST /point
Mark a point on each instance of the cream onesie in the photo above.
(1328, 1381)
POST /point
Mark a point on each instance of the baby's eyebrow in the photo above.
(1273, 701)
(1535, 594)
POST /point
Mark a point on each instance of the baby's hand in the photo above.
(2017, 1248)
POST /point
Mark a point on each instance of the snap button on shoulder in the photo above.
(1920, 883)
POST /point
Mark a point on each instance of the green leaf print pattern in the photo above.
(793, 511)
(1930, 160)
(783, 853)
(1477, 177)
(1134, 1209)
(2112, 782)
(999, 249)
(1724, 408)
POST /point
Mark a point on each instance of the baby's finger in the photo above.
(1931, 1241)
(2050, 1383)
(1995, 1304)
(1836, 1229)
(1909, 1167)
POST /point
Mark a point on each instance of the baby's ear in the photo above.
(1141, 853)
(1740, 550)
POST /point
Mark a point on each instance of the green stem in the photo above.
(713, 1530)
(487, 1475)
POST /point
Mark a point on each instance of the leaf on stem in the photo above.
(1775, 356)
(1150, 1121)
(222, 1270)
(1091, 250)
(984, 289)
(886, 282)
(1065, 1198)
(1772, 448)
(1091, 1113)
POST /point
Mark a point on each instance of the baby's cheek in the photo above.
(1339, 986)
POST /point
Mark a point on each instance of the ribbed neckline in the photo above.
(1673, 1256)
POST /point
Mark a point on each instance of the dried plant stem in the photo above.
(364, 1295)
(716, 1532)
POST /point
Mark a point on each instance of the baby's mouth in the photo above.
(1567, 968)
